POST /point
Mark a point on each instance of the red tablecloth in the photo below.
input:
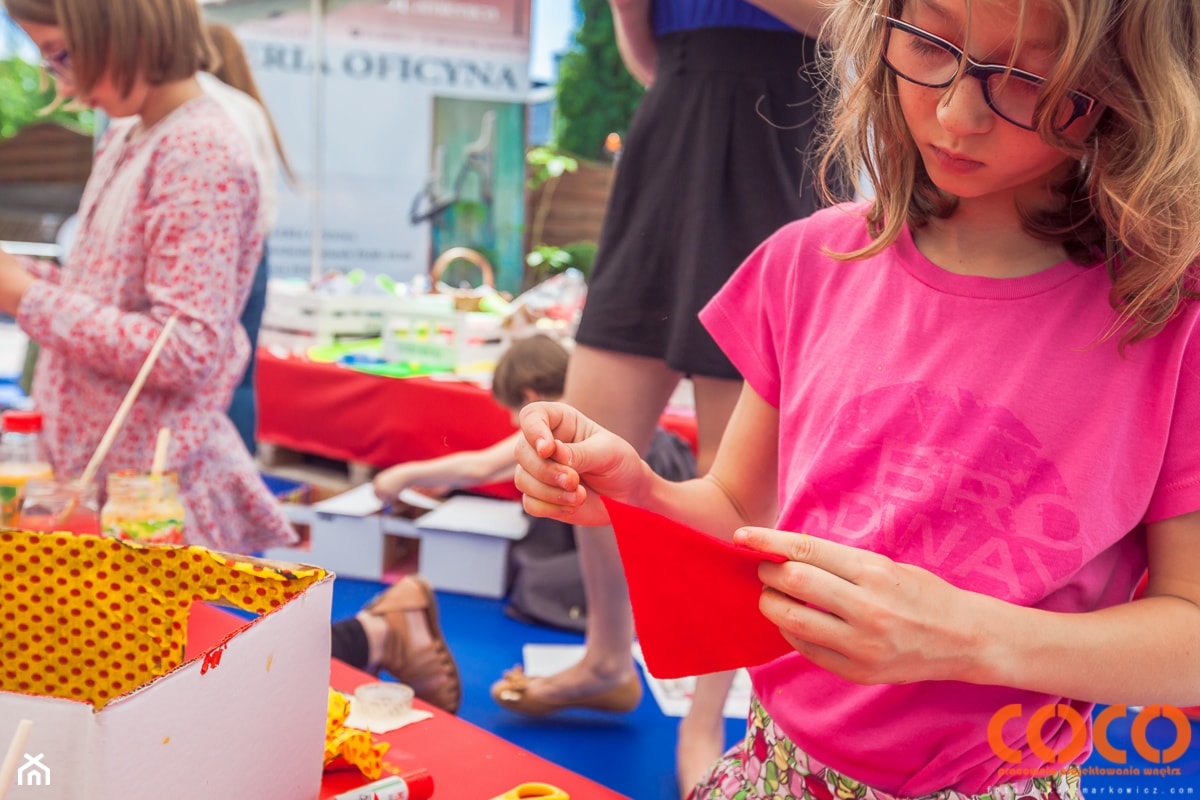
(466, 762)
(341, 413)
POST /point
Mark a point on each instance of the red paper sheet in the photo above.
(695, 596)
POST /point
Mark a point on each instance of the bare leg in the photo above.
(625, 394)
(702, 732)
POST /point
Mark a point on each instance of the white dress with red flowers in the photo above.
(168, 224)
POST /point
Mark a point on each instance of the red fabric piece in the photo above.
(683, 426)
(694, 596)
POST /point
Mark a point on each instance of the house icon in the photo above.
(33, 772)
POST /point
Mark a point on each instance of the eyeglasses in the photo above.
(58, 64)
(919, 57)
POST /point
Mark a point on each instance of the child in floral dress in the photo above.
(168, 226)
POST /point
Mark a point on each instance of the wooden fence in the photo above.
(42, 172)
(577, 206)
(46, 153)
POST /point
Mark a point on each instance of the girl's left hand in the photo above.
(861, 615)
(14, 280)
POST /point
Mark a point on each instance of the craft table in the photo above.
(336, 412)
(466, 762)
(341, 413)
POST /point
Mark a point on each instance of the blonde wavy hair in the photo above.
(1133, 202)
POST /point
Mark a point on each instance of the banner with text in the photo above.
(422, 131)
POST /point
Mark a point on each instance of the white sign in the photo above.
(422, 134)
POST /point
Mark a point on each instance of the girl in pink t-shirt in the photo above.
(969, 414)
(169, 225)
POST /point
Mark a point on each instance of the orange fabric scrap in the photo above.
(354, 745)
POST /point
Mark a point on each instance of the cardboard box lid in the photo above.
(480, 515)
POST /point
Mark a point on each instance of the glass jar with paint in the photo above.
(144, 507)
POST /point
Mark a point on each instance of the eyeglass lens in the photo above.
(59, 64)
(931, 63)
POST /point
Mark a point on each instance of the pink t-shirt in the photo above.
(976, 427)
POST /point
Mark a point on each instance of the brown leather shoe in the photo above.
(512, 692)
(430, 671)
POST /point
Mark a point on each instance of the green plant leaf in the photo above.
(27, 97)
(595, 94)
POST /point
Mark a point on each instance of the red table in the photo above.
(466, 762)
(337, 412)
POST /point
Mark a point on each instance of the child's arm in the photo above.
(1140, 653)
(467, 468)
(872, 620)
(565, 461)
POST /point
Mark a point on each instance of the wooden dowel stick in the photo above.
(161, 446)
(114, 427)
(16, 749)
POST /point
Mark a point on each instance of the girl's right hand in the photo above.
(565, 462)
(14, 280)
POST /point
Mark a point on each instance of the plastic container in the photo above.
(143, 507)
(21, 458)
(53, 505)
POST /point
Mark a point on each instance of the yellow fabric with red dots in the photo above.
(352, 744)
(92, 618)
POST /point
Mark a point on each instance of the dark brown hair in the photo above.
(535, 362)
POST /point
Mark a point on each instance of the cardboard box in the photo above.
(460, 546)
(465, 543)
(360, 543)
(120, 710)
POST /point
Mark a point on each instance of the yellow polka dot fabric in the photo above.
(91, 618)
(354, 745)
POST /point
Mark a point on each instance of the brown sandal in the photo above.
(512, 692)
(430, 671)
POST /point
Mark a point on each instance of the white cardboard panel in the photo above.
(251, 726)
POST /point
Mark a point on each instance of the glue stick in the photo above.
(416, 785)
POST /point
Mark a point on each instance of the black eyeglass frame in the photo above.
(58, 64)
(1081, 103)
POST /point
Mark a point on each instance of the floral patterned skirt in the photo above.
(767, 764)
